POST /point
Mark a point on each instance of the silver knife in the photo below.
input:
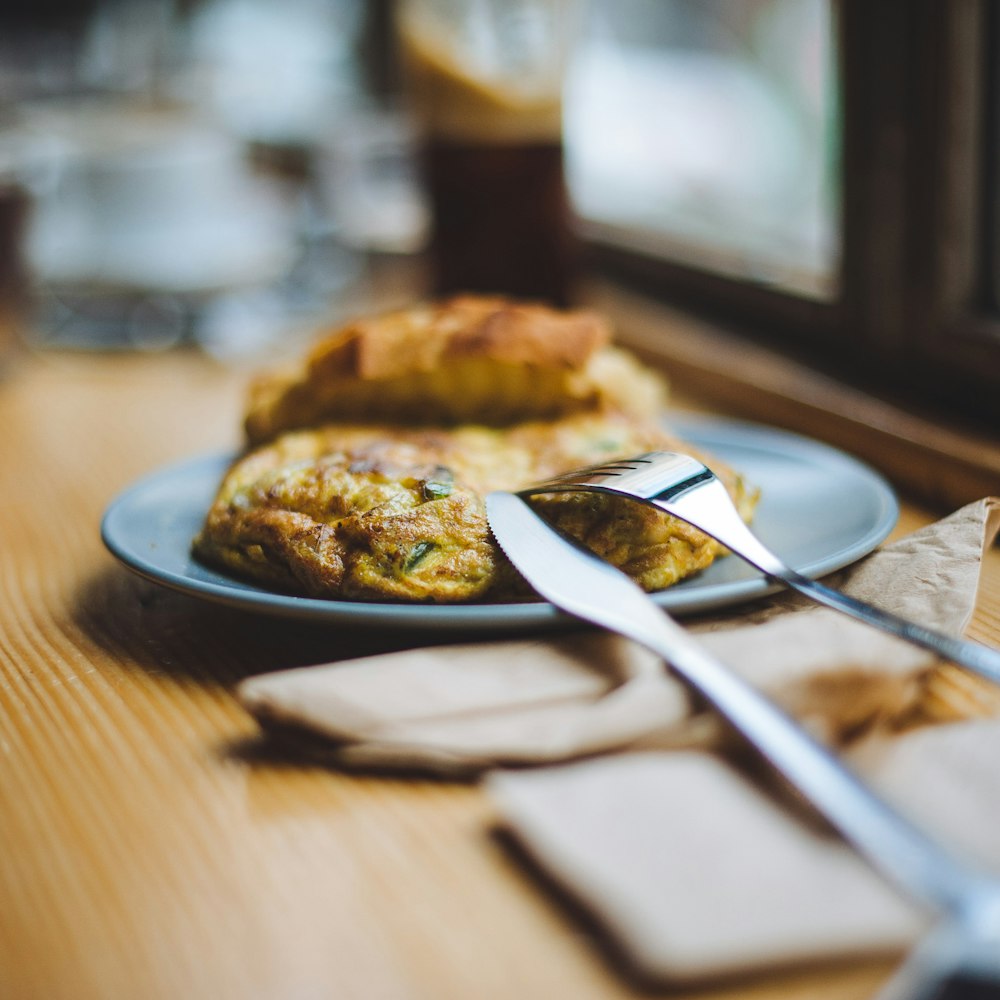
(577, 581)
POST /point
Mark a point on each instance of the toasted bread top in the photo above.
(422, 337)
(478, 359)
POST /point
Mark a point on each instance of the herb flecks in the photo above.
(439, 485)
(417, 554)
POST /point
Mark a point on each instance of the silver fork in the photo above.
(685, 487)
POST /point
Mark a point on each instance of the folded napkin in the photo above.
(695, 868)
(696, 873)
(459, 710)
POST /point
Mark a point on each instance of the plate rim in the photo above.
(515, 615)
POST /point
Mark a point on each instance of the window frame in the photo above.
(913, 315)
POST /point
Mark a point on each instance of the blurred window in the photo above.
(818, 173)
(707, 131)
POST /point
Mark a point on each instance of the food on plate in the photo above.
(468, 359)
(382, 512)
(389, 506)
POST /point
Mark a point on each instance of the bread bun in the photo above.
(469, 359)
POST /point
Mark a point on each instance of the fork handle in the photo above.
(974, 655)
(741, 541)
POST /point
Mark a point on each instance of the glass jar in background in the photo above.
(150, 217)
(484, 79)
(171, 196)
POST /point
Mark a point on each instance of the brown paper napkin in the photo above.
(696, 873)
(462, 709)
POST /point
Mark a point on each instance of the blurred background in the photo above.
(232, 173)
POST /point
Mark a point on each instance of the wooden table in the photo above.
(148, 846)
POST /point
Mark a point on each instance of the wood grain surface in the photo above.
(150, 845)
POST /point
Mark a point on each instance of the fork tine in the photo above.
(640, 477)
(614, 468)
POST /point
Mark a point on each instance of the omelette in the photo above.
(380, 512)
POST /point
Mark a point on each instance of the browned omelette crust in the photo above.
(377, 512)
(467, 359)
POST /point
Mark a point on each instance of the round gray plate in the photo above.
(819, 509)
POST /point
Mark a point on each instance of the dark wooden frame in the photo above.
(915, 316)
